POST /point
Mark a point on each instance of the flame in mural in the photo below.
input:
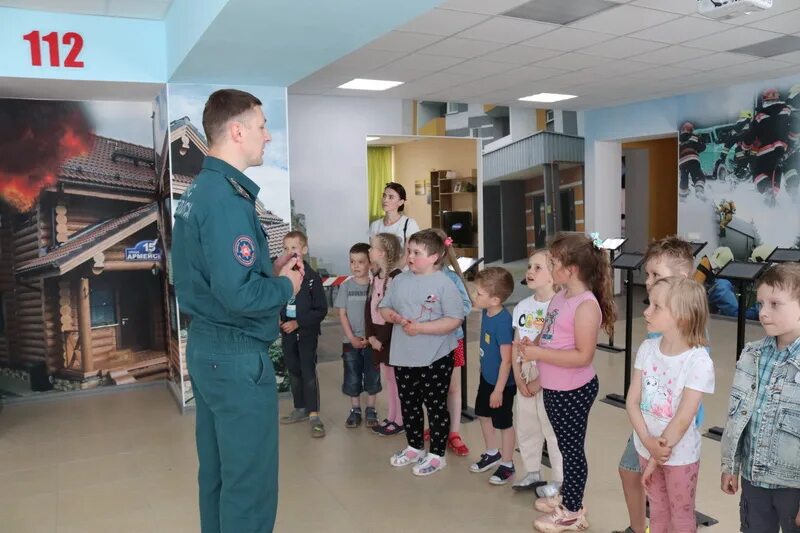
(36, 137)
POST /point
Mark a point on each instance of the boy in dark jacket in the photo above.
(300, 330)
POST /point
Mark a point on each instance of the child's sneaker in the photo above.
(547, 505)
(502, 475)
(317, 428)
(430, 465)
(562, 519)
(297, 415)
(485, 462)
(372, 417)
(354, 419)
(407, 456)
(549, 490)
(531, 481)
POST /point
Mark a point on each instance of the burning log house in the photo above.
(81, 270)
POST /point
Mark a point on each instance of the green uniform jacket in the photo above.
(220, 255)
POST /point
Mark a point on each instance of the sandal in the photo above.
(458, 446)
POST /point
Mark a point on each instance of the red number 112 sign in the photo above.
(72, 40)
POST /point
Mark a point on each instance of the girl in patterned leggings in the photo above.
(564, 351)
(426, 309)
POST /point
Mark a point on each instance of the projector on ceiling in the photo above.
(728, 9)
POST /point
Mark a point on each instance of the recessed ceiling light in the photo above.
(372, 138)
(547, 97)
(370, 85)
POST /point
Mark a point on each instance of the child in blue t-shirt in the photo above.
(495, 401)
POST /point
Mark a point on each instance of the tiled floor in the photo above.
(125, 462)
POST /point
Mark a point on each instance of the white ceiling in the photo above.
(641, 49)
(138, 9)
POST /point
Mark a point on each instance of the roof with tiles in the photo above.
(113, 163)
(83, 242)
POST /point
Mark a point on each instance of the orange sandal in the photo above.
(455, 443)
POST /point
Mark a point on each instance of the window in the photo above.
(103, 303)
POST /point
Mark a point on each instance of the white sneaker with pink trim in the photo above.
(407, 457)
(562, 519)
(430, 465)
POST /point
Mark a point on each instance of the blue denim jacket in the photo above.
(777, 453)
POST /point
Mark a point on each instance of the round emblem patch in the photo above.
(244, 250)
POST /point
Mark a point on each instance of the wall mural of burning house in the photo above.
(187, 148)
(81, 259)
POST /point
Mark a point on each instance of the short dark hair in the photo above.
(222, 106)
(360, 248)
(295, 234)
(497, 281)
(431, 241)
(400, 190)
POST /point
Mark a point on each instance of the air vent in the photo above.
(559, 11)
(771, 48)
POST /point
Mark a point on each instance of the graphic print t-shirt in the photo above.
(664, 377)
(529, 315)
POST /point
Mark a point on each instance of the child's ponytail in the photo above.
(594, 269)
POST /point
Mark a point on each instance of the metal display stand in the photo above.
(697, 247)
(612, 245)
(784, 255)
(742, 274)
(627, 262)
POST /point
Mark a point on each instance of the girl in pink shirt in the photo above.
(564, 351)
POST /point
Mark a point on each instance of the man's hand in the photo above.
(295, 276)
(411, 328)
(289, 326)
(730, 484)
(375, 343)
(496, 399)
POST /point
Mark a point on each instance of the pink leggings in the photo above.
(392, 396)
(671, 493)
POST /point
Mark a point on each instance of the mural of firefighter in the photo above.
(81, 261)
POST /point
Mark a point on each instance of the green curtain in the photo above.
(379, 173)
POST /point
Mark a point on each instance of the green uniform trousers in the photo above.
(236, 430)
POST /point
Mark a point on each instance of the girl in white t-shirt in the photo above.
(394, 221)
(670, 376)
(533, 426)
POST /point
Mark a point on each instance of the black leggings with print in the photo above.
(568, 412)
(426, 386)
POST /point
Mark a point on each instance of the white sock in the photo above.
(508, 464)
(493, 451)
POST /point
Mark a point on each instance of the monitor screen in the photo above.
(784, 255)
(741, 270)
(628, 261)
(458, 225)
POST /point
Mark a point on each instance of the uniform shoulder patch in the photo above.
(244, 250)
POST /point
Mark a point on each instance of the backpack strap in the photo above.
(405, 229)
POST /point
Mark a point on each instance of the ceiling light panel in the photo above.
(771, 48)
(558, 11)
(547, 98)
(361, 84)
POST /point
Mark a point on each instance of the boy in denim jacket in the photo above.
(761, 442)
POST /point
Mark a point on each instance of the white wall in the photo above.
(522, 122)
(328, 161)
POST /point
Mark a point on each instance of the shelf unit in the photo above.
(446, 197)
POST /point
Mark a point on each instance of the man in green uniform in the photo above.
(226, 282)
